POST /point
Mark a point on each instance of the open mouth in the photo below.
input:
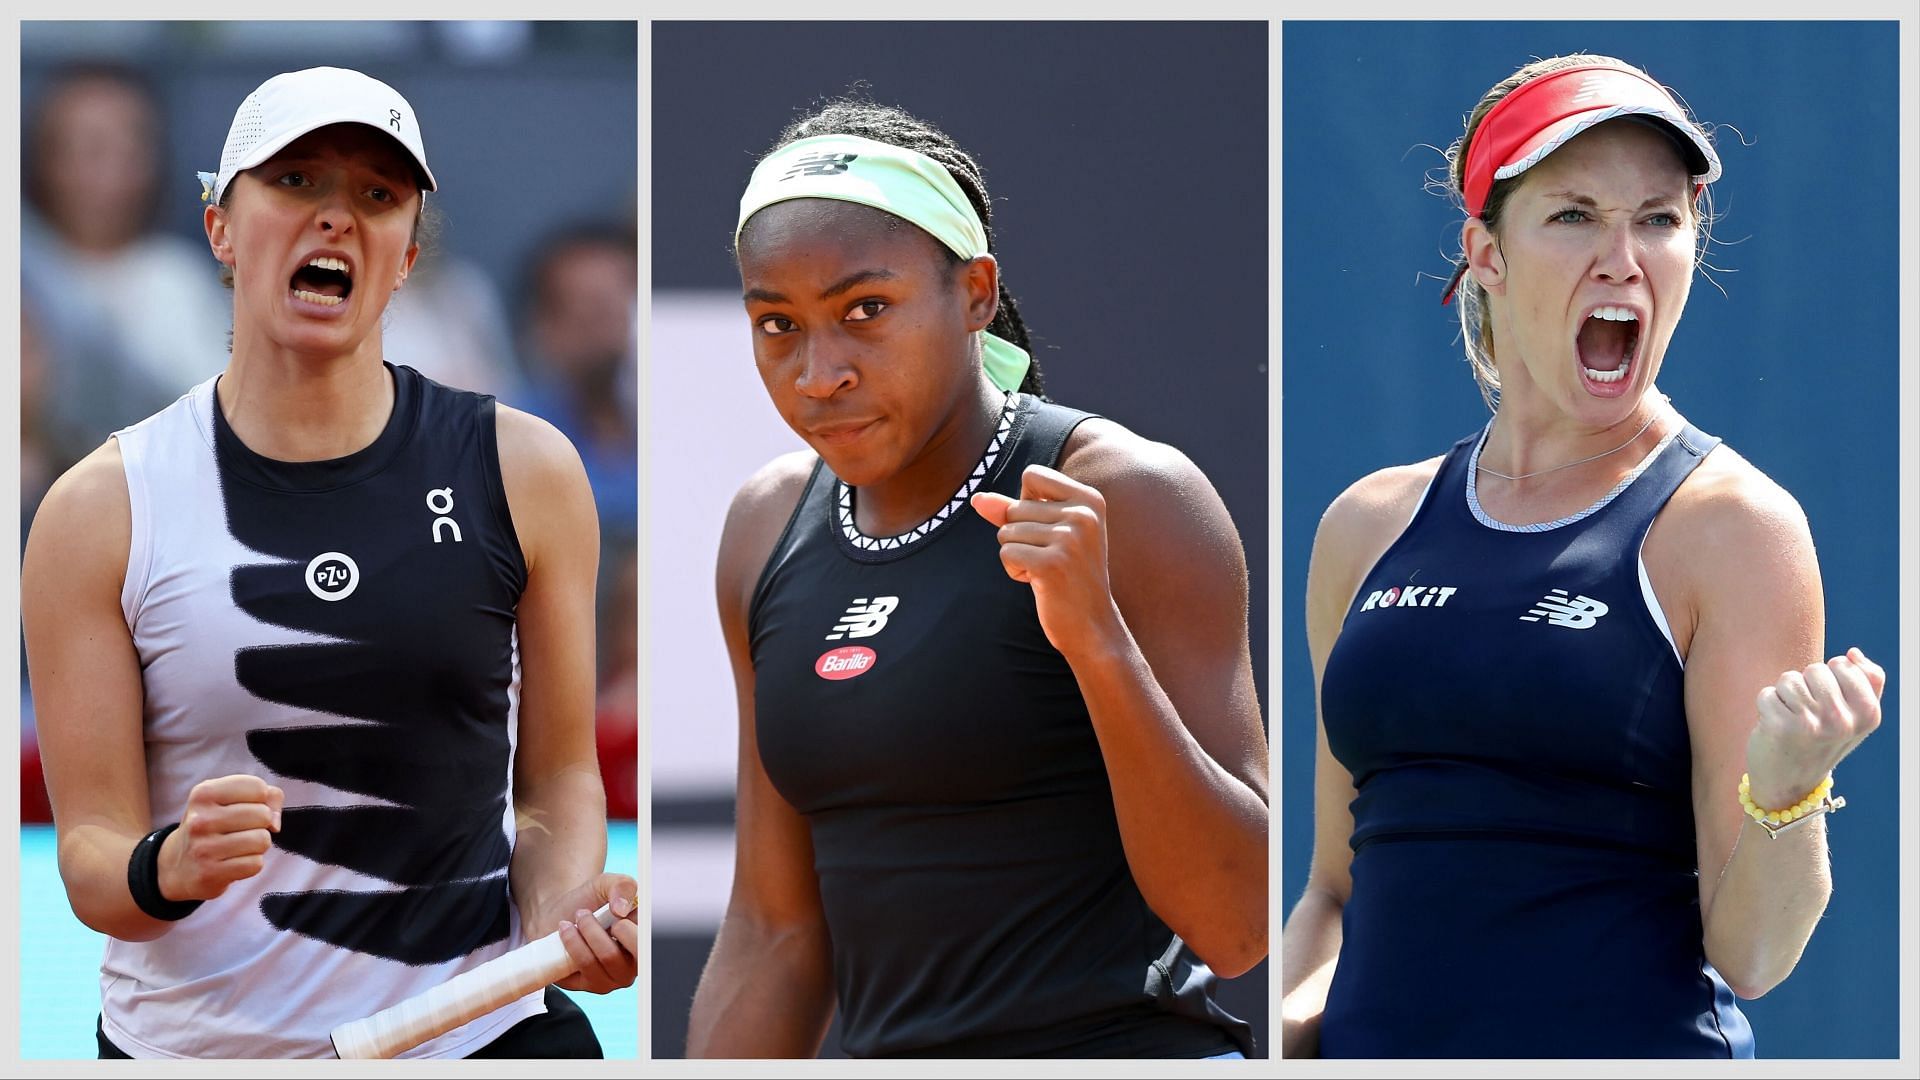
(1607, 344)
(324, 280)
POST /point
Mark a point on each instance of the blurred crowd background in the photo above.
(528, 292)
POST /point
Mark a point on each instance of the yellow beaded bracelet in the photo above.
(1820, 800)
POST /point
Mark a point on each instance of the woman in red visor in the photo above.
(1588, 809)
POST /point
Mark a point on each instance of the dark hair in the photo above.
(536, 284)
(34, 181)
(884, 123)
(1476, 318)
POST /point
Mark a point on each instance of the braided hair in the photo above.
(884, 123)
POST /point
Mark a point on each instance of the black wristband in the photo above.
(143, 879)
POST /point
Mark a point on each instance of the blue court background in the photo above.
(60, 995)
(1796, 367)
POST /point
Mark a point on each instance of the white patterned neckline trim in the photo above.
(843, 495)
(1473, 488)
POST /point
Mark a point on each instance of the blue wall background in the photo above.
(1796, 366)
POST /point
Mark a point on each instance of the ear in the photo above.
(406, 266)
(1484, 260)
(980, 277)
(214, 220)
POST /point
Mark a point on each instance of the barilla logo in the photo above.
(1409, 596)
(844, 662)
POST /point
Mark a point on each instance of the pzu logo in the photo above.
(440, 501)
(332, 575)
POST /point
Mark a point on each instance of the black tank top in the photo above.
(910, 706)
(414, 661)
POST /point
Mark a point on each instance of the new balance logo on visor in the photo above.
(864, 618)
(820, 165)
(1592, 89)
(1576, 613)
(1409, 596)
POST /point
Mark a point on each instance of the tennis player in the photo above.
(312, 648)
(1002, 779)
(1577, 742)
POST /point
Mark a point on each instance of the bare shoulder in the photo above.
(1377, 507)
(1728, 497)
(548, 497)
(1106, 454)
(87, 511)
(532, 450)
(1729, 522)
(755, 519)
(1364, 520)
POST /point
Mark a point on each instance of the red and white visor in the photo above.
(1542, 114)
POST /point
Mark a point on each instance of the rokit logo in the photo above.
(1409, 596)
(332, 575)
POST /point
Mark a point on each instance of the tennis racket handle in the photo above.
(463, 998)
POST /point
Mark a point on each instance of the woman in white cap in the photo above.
(1003, 779)
(1577, 744)
(312, 648)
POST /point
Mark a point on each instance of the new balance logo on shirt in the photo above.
(864, 618)
(1575, 613)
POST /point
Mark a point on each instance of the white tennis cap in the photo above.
(288, 106)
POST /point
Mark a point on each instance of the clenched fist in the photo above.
(1809, 720)
(1054, 538)
(223, 837)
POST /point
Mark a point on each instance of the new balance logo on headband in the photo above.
(1576, 613)
(820, 165)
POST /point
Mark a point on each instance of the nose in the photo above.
(825, 367)
(1618, 261)
(333, 213)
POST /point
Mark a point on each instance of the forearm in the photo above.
(1768, 900)
(764, 994)
(93, 865)
(1309, 950)
(1195, 835)
(560, 841)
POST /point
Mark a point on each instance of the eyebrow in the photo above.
(1588, 200)
(310, 160)
(851, 281)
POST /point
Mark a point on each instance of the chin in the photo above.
(857, 469)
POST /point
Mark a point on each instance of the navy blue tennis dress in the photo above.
(1508, 701)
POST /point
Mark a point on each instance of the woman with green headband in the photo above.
(1003, 779)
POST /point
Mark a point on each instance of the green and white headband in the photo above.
(904, 183)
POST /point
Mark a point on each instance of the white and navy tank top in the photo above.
(908, 703)
(343, 629)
